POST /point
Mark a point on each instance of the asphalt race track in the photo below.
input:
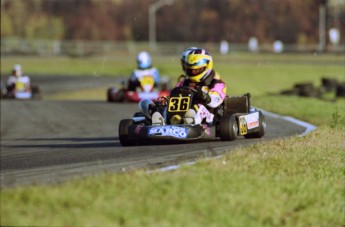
(52, 141)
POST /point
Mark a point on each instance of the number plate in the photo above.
(20, 86)
(147, 80)
(179, 104)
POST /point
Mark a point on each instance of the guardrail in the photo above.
(13, 46)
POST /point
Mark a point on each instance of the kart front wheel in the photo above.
(123, 131)
(228, 128)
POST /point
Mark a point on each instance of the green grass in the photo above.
(315, 111)
(98, 93)
(298, 181)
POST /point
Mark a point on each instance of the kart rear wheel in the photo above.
(115, 96)
(36, 92)
(262, 128)
(123, 131)
(120, 97)
(109, 95)
(228, 128)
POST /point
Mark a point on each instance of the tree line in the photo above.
(291, 21)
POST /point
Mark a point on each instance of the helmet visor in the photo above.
(194, 72)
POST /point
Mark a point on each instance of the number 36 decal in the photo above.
(177, 104)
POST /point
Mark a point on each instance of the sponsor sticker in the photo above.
(169, 130)
(138, 129)
(207, 129)
(252, 120)
(147, 95)
(243, 125)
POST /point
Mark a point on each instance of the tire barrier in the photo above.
(307, 89)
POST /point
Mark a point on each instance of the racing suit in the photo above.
(139, 76)
(215, 89)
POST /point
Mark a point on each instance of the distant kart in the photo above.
(235, 117)
(16, 93)
(146, 91)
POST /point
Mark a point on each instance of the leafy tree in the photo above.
(6, 25)
(292, 21)
(40, 25)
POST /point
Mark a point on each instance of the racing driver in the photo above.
(197, 64)
(145, 71)
(18, 85)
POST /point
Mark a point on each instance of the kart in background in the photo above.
(145, 91)
(235, 117)
(16, 92)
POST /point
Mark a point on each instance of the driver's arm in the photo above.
(217, 94)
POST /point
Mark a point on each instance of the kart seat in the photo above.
(236, 104)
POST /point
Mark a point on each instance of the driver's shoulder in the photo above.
(216, 76)
(24, 79)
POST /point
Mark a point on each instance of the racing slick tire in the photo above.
(228, 128)
(109, 95)
(262, 128)
(340, 90)
(118, 96)
(123, 131)
(36, 92)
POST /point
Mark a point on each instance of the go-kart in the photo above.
(235, 117)
(146, 90)
(17, 91)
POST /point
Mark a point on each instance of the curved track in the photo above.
(52, 141)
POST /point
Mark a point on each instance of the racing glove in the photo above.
(203, 97)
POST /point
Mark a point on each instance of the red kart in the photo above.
(145, 91)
